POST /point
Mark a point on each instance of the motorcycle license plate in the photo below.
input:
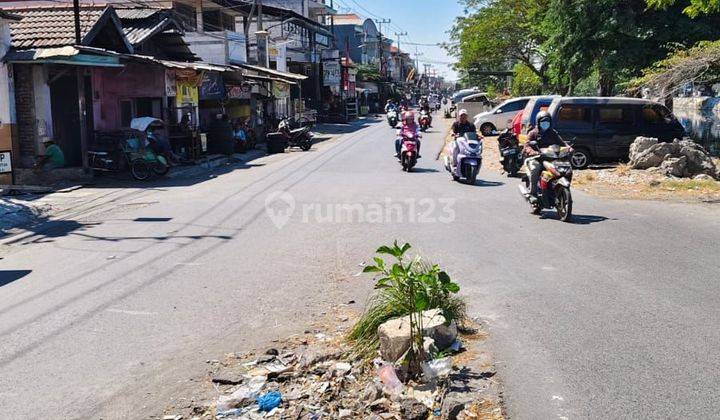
(509, 152)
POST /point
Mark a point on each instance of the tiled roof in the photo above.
(51, 26)
(138, 24)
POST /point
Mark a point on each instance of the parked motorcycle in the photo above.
(408, 151)
(392, 118)
(510, 151)
(287, 136)
(554, 182)
(464, 158)
(424, 120)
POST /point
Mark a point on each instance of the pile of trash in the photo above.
(316, 377)
(681, 158)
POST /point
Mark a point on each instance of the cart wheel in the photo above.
(140, 169)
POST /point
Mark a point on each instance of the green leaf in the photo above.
(371, 269)
(443, 277)
(452, 287)
(405, 247)
(385, 250)
(397, 270)
(421, 302)
(380, 263)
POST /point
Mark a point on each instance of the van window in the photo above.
(653, 114)
(615, 115)
(513, 106)
(574, 116)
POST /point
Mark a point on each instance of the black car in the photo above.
(602, 129)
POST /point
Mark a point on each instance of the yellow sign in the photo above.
(187, 93)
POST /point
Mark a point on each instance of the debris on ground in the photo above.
(319, 378)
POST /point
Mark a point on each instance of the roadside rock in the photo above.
(413, 409)
(683, 158)
(703, 177)
(675, 166)
(395, 334)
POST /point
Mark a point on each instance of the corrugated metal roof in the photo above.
(51, 26)
(139, 24)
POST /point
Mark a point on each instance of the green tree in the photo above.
(498, 33)
(614, 38)
(694, 9)
(525, 81)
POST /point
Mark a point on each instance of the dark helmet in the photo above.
(543, 116)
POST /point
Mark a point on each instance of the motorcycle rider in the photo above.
(409, 129)
(459, 128)
(390, 105)
(543, 135)
(425, 106)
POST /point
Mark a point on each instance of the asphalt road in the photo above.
(614, 316)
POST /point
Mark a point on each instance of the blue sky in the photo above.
(425, 21)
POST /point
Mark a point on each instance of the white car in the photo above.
(500, 116)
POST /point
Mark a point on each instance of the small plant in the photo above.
(405, 287)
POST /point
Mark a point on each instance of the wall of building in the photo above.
(25, 109)
(7, 101)
(208, 47)
(111, 85)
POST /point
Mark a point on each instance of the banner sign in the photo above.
(331, 73)
(212, 86)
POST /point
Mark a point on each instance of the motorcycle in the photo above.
(510, 151)
(554, 182)
(408, 151)
(286, 136)
(424, 121)
(464, 158)
(392, 118)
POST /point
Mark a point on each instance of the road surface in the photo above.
(108, 315)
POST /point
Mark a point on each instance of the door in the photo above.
(616, 129)
(507, 112)
(574, 123)
(66, 117)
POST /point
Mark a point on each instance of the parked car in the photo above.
(459, 95)
(498, 117)
(475, 103)
(534, 105)
(602, 129)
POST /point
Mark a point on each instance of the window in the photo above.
(651, 115)
(513, 106)
(574, 116)
(126, 113)
(479, 98)
(615, 115)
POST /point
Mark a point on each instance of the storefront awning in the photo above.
(273, 73)
(366, 86)
(62, 55)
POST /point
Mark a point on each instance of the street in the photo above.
(612, 316)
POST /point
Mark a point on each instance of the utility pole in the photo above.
(398, 35)
(380, 41)
(262, 38)
(80, 77)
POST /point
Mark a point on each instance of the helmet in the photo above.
(543, 117)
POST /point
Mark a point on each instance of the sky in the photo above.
(425, 21)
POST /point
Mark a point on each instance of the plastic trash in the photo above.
(269, 401)
(389, 378)
(456, 346)
(243, 395)
(437, 368)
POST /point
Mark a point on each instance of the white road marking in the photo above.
(547, 268)
(126, 312)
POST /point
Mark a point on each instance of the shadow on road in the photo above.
(481, 183)
(586, 219)
(9, 276)
(424, 170)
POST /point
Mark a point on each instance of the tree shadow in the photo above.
(9, 276)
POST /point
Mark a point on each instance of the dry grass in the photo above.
(691, 185)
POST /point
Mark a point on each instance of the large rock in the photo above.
(675, 166)
(654, 155)
(640, 145)
(395, 334)
(698, 159)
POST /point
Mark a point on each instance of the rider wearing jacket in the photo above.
(409, 128)
(390, 105)
(462, 125)
(540, 137)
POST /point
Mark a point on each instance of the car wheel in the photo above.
(580, 159)
(487, 129)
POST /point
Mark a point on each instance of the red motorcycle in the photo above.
(409, 152)
(424, 120)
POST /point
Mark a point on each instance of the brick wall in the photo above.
(25, 109)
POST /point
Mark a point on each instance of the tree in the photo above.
(499, 33)
(525, 81)
(615, 38)
(694, 9)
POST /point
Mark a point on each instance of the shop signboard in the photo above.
(212, 86)
(331, 73)
(5, 162)
(243, 91)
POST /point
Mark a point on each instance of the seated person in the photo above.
(160, 145)
(53, 158)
